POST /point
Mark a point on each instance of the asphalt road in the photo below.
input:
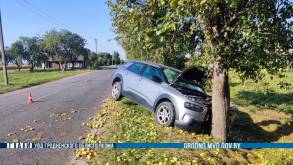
(56, 116)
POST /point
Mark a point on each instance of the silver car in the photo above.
(176, 97)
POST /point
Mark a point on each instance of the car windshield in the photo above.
(171, 74)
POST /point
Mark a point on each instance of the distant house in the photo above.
(54, 64)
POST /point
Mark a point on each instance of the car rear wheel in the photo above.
(165, 114)
(116, 91)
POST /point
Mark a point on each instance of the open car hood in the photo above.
(193, 74)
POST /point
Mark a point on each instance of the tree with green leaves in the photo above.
(104, 58)
(63, 46)
(51, 44)
(33, 52)
(116, 58)
(17, 51)
(93, 61)
(245, 35)
(73, 46)
(9, 58)
(137, 29)
(86, 53)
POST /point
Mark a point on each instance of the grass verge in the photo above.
(265, 116)
(23, 79)
(125, 121)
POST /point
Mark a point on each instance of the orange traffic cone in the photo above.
(30, 99)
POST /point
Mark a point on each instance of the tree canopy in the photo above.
(246, 36)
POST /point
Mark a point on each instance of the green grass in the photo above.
(265, 115)
(25, 78)
(266, 109)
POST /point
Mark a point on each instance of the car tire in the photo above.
(116, 91)
(165, 114)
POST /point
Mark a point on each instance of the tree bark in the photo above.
(220, 101)
(72, 65)
(32, 67)
(18, 67)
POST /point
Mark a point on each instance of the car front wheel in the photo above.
(116, 91)
(165, 114)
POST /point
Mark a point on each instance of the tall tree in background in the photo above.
(51, 44)
(116, 58)
(246, 36)
(33, 52)
(18, 52)
(9, 58)
(72, 44)
(63, 46)
(86, 53)
(104, 58)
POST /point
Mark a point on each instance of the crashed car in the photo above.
(176, 97)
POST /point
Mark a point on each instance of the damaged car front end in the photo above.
(197, 105)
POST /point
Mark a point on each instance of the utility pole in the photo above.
(96, 43)
(5, 76)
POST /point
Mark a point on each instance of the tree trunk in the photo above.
(65, 66)
(61, 66)
(32, 67)
(18, 68)
(220, 101)
(73, 65)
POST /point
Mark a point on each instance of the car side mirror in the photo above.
(156, 79)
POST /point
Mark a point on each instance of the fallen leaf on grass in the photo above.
(81, 138)
(73, 111)
(36, 137)
(62, 134)
(10, 134)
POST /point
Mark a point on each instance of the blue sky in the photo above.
(89, 18)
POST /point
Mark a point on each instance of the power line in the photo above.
(33, 11)
(36, 10)
(45, 13)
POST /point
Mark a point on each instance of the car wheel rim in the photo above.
(115, 91)
(163, 114)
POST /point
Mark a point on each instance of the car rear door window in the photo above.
(136, 68)
(151, 71)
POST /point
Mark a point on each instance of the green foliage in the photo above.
(33, 52)
(9, 57)
(72, 44)
(64, 45)
(140, 30)
(104, 59)
(17, 51)
(245, 35)
(116, 58)
(51, 42)
(93, 61)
